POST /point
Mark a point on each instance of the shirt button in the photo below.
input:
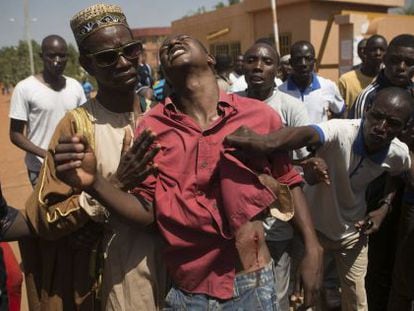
(203, 164)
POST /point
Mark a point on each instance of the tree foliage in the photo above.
(220, 5)
(15, 64)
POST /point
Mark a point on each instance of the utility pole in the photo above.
(27, 34)
(275, 26)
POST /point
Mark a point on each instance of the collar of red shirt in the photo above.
(226, 105)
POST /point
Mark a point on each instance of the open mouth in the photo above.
(176, 51)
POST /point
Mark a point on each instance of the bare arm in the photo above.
(18, 138)
(311, 266)
(288, 138)
(129, 207)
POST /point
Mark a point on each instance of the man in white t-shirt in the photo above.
(40, 101)
(356, 151)
(320, 96)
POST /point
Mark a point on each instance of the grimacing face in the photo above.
(122, 74)
(399, 65)
(383, 122)
(180, 51)
(260, 66)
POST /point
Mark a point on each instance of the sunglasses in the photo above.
(110, 57)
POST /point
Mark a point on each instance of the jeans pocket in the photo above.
(175, 300)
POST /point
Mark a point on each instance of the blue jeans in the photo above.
(252, 291)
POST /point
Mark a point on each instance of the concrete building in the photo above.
(333, 26)
(151, 39)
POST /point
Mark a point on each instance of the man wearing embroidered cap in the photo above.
(89, 259)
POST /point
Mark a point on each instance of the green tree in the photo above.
(15, 64)
(220, 5)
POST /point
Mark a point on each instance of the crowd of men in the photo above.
(241, 188)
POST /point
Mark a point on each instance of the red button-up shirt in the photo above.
(202, 194)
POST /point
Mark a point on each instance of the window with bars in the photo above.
(285, 41)
(232, 48)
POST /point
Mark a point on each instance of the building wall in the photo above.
(301, 19)
(391, 26)
(233, 18)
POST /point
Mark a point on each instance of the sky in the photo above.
(52, 16)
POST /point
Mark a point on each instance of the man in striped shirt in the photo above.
(399, 66)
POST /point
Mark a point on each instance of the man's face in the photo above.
(361, 49)
(383, 122)
(302, 61)
(54, 56)
(375, 50)
(113, 57)
(399, 65)
(286, 69)
(260, 64)
(238, 65)
(182, 51)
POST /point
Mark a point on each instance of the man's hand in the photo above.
(373, 221)
(316, 171)
(245, 139)
(136, 162)
(311, 270)
(75, 162)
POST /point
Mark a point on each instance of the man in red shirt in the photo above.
(207, 198)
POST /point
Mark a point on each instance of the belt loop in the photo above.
(236, 292)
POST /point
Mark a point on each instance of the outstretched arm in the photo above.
(288, 138)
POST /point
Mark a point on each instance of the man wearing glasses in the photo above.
(40, 101)
(90, 259)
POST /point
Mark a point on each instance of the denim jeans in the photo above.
(252, 291)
